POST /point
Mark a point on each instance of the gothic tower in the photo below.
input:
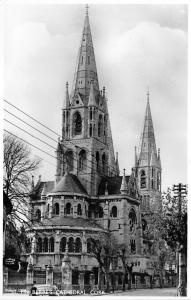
(148, 166)
(86, 147)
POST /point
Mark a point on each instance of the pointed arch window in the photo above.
(82, 160)
(63, 244)
(56, 209)
(97, 161)
(144, 225)
(103, 162)
(158, 181)
(78, 246)
(91, 114)
(89, 246)
(90, 130)
(38, 215)
(100, 125)
(68, 208)
(79, 210)
(132, 220)
(86, 211)
(105, 125)
(148, 202)
(88, 60)
(39, 245)
(77, 123)
(152, 184)
(114, 212)
(70, 160)
(51, 244)
(133, 246)
(71, 244)
(45, 244)
(100, 212)
(143, 179)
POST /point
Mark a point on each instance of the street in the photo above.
(170, 292)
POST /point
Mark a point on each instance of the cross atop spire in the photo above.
(148, 94)
(123, 188)
(87, 9)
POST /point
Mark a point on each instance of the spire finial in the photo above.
(67, 85)
(148, 94)
(87, 7)
(123, 188)
(104, 92)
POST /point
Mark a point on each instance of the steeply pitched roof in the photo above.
(113, 185)
(40, 187)
(86, 65)
(68, 221)
(69, 183)
(148, 144)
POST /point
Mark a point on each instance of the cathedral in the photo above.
(89, 198)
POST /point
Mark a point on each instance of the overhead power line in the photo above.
(82, 172)
(34, 119)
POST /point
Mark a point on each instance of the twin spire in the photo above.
(85, 79)
(148, 152)
(86, 69)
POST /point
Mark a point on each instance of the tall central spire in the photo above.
(148, 145)
(86, 70)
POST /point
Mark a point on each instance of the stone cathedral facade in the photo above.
(89, 198)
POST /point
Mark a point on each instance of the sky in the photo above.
(136, 47)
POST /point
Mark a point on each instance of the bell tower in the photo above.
(86, 147)
(148, 166)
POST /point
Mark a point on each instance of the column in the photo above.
(116, 281)
(106, 215)
(92, 281)
(49, 274)
(30, 275)
(33, 250)
(84, 243)
(50, 208)
(57, 248)
(66, 272)
(75, 210)
(81, 281)
(138, 281)
(139, 238)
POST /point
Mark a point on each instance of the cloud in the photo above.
(154, 56)
(40, 59)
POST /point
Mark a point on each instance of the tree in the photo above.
(18, 166)
(174, 229)
(128, 268)
(105, 250)
(169, 226)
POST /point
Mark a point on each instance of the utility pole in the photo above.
(181, 190)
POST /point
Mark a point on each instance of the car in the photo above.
(43, 290)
